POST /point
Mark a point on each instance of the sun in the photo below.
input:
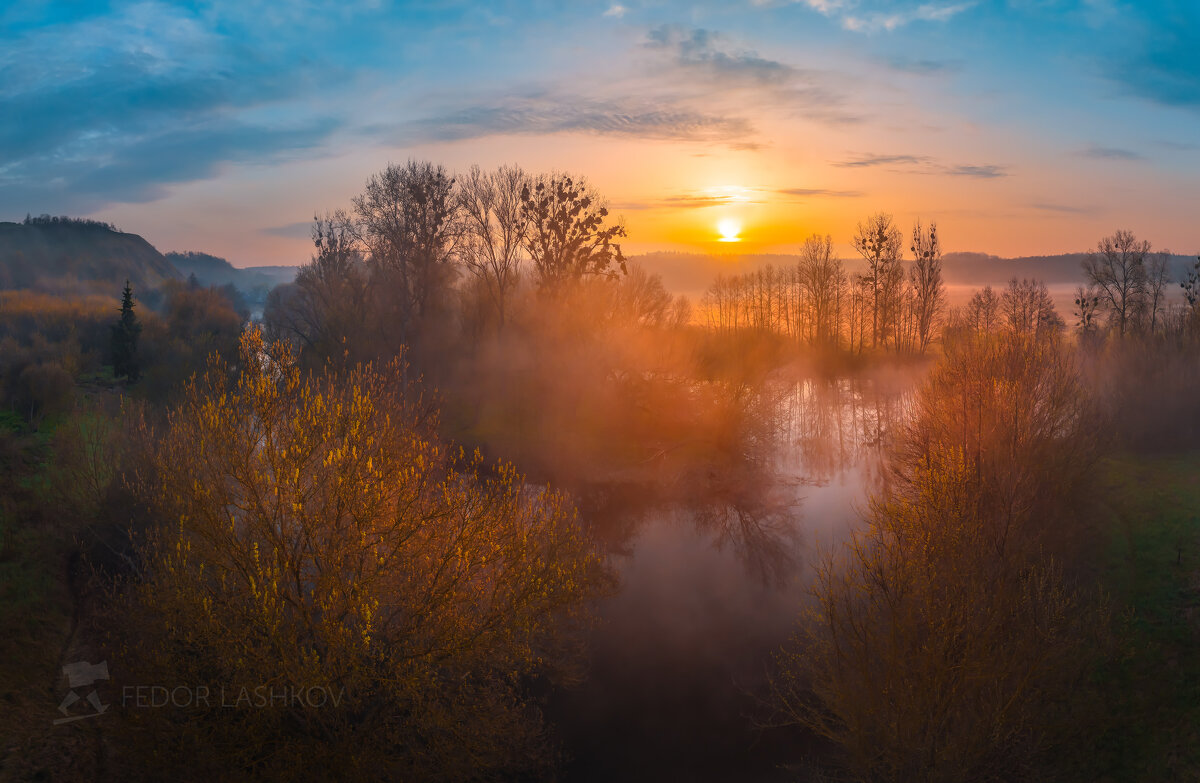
(729, 228)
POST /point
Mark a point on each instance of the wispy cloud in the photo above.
(616, 11)
(923, 66)
(870, 161)
(867, 16)
(552, 113)
(1109, 153)
(702, 49)
(727, 196)
(979, 172)
(1157, 54)
(818, 192)
(716, 67)
(923, 164)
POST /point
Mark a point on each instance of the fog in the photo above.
(711, 586)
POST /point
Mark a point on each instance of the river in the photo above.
(709, 588)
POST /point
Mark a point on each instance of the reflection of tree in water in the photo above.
(760, 524)
(831, 426)
(772, 440)
(817, 429)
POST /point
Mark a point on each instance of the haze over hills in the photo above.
(213, 270)
(65, 255)
(691, 273)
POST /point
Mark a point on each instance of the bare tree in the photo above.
(879, 241)
(929, 295)
(1158, 276)
(407, 219)
(322, 311)
(494, 227)
(1118, 269)
(983, 310)
(567, 237)
(1029, 310)
(819, 277)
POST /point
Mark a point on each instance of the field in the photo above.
(1152, 570)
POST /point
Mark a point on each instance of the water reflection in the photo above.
(759, 524)
(712, 582)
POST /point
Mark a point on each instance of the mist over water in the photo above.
(711, 585)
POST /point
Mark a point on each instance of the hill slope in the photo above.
(78, 256)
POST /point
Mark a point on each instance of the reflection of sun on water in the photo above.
(729, 229)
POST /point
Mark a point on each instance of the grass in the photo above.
(38, 533)
(1151, 571)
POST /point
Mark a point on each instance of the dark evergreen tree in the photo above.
(124, 338)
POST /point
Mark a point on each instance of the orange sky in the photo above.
(1019, 127)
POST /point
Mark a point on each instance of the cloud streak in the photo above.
(555, 113)
(1109, 153)
(870, 161)
(801, 193)
(923, 164)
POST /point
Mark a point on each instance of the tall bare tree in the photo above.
(1158, 276)
(407, 219)
(820, 274)
(879, 242)
(494, 228)
(929, 295)
(1117, 267)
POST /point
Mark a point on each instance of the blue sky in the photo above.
(1023, 126)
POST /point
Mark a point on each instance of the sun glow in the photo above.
(729, 228)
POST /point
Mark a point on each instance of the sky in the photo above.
(1019, 126)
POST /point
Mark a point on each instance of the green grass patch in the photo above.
(1151, 570)
(12, 422)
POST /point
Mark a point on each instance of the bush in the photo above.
(317, 534)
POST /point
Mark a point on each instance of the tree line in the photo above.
(396, 257)
(818, 303)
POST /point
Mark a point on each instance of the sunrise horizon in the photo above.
(1020, 128)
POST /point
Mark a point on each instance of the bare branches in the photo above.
(495, 228)
(1117, 268)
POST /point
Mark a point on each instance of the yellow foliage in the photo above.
(316, 535)
(945, 640)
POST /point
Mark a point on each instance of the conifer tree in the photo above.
(124, 338)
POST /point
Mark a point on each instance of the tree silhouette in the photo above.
(494, 229)
(567, 237)
(1191, 285)
(1117, 269)
(125, 337)
(929, 296)
(879, 242)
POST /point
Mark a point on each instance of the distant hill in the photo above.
(74, 256)
(692, 273)
(254, 282)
